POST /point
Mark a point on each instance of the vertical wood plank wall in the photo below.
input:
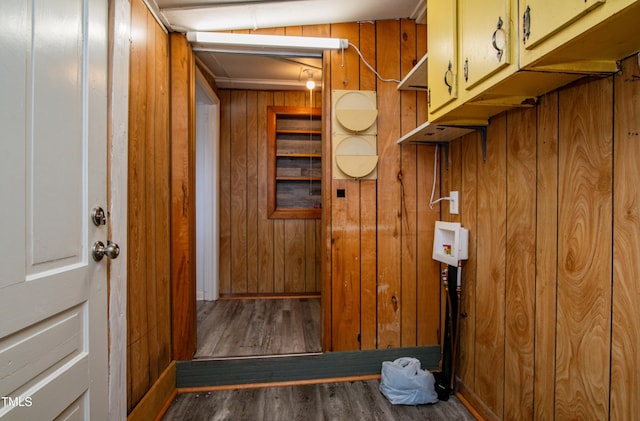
(384, 288)
(259, 255)
(183, 202)
(550, 296)
(380, 288)
(148, 268)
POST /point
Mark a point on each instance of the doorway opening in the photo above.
(276, 319)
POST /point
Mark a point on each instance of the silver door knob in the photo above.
(98, 251)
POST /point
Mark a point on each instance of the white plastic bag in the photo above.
(404, 383)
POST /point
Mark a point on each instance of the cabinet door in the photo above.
(442, 62)
(485, 42)
(542, 18)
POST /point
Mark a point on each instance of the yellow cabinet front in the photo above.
(543, 18)
(442, 46)
(587, 37)
(485, 32)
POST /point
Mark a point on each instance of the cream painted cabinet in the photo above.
(486, 57)
(443, 53)
(543, 18)
(579, 36)
(485, 38)
(468, 57)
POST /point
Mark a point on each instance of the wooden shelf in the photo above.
(426, 133)
(298, 178)
(299, 155)
(434, 133)
(294, 165)
(305, 132)
(416, 79)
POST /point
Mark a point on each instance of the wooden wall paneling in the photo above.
(137, 344)
(368, 207)
(294, 255)
(345, 219)
(278, 230)
(323, 30)
(367, 46)
(625, 348)
(265, 225)
(428, 317)
(224, 271)
(293, 31)
(368, 271)
(408, 184)
(159, 141)
(520, 263)
(389, 220)
(584, 251)
(428, 289)
(546, 256)
(469, 211)
(163, 199)
(239, 185)
(148, 263)
(345, 297)
(326, 240)
(445, 173)
(310, 256)
(151, 224)
(490, 281)
(183, 198)
(295, 229)
(454, 179)
(452, 182)
(252, 191)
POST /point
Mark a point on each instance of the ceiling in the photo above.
(244, 71)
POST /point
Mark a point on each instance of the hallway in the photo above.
(252, 327)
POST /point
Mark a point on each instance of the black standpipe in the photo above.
(444, 379)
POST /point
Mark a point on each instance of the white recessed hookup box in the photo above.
(450, 243)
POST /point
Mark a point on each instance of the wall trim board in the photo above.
(158, 399)
(277, 369)
(202, 389)
(183, 218)
(465, 394)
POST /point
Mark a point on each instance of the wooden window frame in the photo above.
(273, 211)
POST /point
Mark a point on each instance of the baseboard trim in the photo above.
(158, 399)
(295, 368)
(268, 296)
(276, 384)
(471, 400)
(469, 407)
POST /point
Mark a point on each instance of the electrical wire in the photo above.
(369, 66)
(433, 188)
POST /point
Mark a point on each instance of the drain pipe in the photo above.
(445, 381)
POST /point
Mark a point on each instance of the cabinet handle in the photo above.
(466, 69)
(448, 78)
(526, 25)
(496, 40)
(429, 97)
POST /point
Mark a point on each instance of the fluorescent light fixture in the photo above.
(263, 44)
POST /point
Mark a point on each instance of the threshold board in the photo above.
(272, 369)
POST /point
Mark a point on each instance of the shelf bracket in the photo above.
(445, 146)
(483, 137)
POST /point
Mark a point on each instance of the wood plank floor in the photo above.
(357, 400)
(253, 327)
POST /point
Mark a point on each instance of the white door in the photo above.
(53, 295)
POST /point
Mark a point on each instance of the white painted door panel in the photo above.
(53, 300)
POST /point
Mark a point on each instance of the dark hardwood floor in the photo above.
(253, 327)
(357, 400)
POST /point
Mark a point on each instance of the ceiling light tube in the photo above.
(222, 41)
